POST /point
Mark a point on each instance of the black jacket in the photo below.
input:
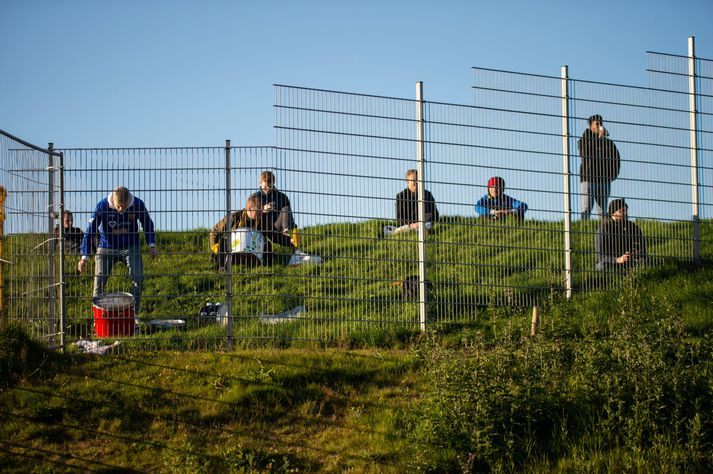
(614, 239)
(600, 158)
(407, 207)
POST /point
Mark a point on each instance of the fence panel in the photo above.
(29, 284)
(347, 155)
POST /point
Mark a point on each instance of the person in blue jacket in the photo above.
(497, 205)
(116, 219)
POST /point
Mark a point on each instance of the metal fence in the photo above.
(342, 158)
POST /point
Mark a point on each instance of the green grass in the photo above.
(614, 381)
(472, 266)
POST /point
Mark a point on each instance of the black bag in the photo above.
(410, 288)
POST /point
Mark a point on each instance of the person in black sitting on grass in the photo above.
(619, 242)
(407, 208)
(72, 235)
(252, 217)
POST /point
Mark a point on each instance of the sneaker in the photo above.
(389, 230)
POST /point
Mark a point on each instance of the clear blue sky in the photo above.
(87, 73)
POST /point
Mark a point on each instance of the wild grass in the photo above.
(614, 381)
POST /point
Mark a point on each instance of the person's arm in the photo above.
(604, 259)
(88, 239)
(518, 208)
(482, 207)
(148, 226)
(431, 208)
(401, 209)
(216, 234)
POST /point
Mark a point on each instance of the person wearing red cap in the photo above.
(497, 205)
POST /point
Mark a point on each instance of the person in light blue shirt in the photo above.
(497, 205)
(116, 219)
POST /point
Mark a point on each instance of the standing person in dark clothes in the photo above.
(252, 217)
(619, 242)
(407, 208)
(600, 166)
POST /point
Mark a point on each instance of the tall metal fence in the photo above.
(342, 158)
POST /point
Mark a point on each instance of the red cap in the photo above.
(496, 181)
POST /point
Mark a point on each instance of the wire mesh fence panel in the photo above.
(29, 287)
(185, 192)
(672, 73)
(347, 156)
(507, 173)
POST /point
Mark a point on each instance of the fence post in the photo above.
(695, 192)
(51, 246)
(423, 301)
(3, 318)
(567, 182)
(62, 248)
(228, 257)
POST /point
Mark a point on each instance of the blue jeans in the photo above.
(105, 261)
(589, 193)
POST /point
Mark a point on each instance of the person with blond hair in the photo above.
(251, 217)
(116, 220)
(407, 208)
(275, 204)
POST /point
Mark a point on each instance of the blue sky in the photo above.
(127, 73)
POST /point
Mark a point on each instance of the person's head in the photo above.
(618, 210)
(412, 180)
(496, 186)
(595, 123)
(254, 207)
(121, 198)
(267, 182)
(67, 219)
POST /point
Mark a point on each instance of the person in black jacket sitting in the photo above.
(72, 235)
(407, 207)
(619, 242)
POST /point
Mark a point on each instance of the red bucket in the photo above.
(113, 314)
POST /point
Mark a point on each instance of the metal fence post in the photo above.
(51, 246)
(62, 248)
(228, 257)
(423, 301)
(695, 192)
(567, 182)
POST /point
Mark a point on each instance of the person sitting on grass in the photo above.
(497, 205)
(250, 218)
(276, 205)
(619, 243)
(407, 208)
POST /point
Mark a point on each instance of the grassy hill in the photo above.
(615, 381)
(472, 266)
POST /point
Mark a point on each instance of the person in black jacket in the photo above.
(619, 242)
(275, 204)
(72, 235)
(407, 207)
(599, 167)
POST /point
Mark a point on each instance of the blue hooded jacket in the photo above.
(488, 203)
(118, 230)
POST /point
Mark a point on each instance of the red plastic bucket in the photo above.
(113, 314)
